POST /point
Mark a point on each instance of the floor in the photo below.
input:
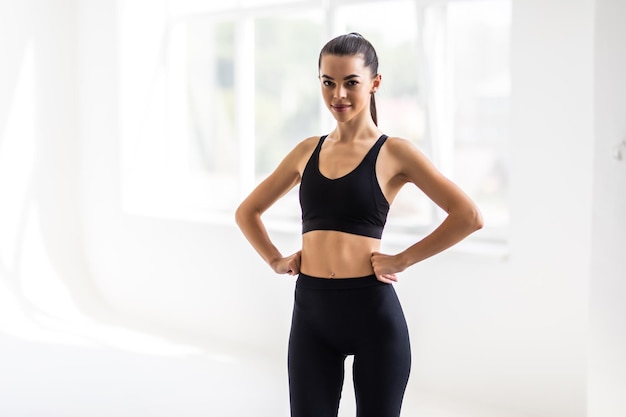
(72, 366)
(128, 374)
(75, 378)
(55, 379)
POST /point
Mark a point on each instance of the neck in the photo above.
(355, 129)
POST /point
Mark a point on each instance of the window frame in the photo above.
(244, 16)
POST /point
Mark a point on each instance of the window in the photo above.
(229, 91)
(478, 47)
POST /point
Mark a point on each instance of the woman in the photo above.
(344, 303)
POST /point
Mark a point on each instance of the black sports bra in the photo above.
(353, 203)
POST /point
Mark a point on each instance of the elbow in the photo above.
(475, 219)
(244, 214)
(240, 215)
(469, 219)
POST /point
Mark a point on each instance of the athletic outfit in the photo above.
(360, 316)
(353, 203)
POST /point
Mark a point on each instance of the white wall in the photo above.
(504, 336)
(607, 364)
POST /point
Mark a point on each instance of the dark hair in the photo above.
(354, 44)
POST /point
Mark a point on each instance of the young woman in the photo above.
(344, 301)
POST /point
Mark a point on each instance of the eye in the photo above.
(327, 83)
(352, 83)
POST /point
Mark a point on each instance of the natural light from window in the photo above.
(220, 94)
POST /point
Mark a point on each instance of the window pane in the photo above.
(184, 153)
(479, 50)
(287, 96)
(213, 157)
(287, 91)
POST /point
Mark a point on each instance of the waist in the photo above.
(319, 283)
(332, 254)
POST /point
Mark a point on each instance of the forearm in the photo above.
(255, 232)
(456, 227)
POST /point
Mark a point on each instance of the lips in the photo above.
(340, 107)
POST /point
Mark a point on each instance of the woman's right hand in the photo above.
(288, 265)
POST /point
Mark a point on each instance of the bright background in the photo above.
(123, 294)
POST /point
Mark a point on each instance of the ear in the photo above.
(376, 82)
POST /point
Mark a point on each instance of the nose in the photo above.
(340, 92)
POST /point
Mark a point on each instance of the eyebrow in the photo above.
(345, 78)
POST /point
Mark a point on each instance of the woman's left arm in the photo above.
(463, 216)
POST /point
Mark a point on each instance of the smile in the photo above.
(341, 107)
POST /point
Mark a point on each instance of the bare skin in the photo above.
(346, 87)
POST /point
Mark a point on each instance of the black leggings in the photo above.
(333, 318)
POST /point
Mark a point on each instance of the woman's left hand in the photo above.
(386, 267)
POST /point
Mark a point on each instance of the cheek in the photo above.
(327, 93)
(362, 93)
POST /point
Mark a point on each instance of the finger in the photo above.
(382, 278)
(390, 277)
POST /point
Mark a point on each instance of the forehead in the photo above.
(340, 65)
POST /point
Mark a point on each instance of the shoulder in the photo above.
(399, 145)
(304, 148)
(403, 150)
(307, 145)
(405, 158)
(289, 170)
(297, 158)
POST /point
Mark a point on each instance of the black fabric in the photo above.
(353, 203)
(333, 318)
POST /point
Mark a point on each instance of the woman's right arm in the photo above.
(248, 215)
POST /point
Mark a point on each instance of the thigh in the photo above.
(382, 364)
(379, 383)
(316, 372)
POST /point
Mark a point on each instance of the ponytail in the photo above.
(373, 109)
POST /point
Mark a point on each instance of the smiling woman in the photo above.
(344, 302)
(362, 79)
(349, 93)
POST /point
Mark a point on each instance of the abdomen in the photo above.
(332, 254)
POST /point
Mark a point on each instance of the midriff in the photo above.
(332, 254)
